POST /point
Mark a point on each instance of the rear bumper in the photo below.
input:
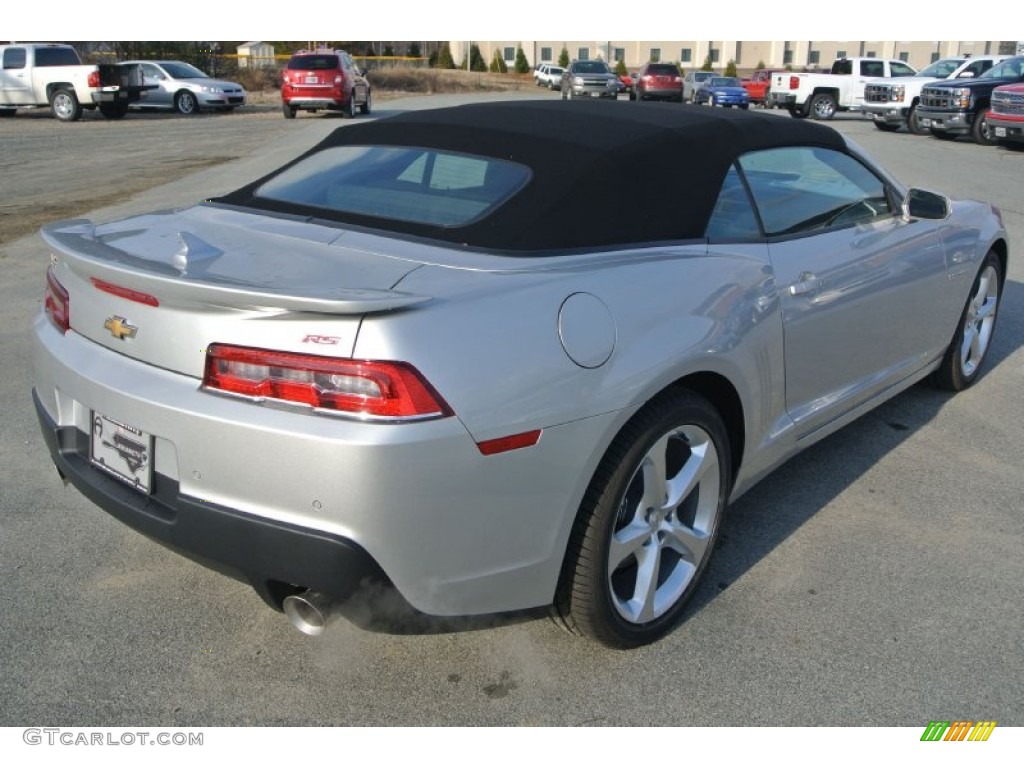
(322, 500)
(269, 554)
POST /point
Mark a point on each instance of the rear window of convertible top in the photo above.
(426, 186)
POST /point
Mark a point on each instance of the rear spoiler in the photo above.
(76, 241)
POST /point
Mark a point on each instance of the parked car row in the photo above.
(977, 96)
(52, 74)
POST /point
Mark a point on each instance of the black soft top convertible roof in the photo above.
(605, 174)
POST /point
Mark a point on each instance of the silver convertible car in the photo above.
(416, 361)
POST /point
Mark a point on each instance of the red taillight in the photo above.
(126, 293)
(794, 82)
(339, 79)
(57, 303)
(94, 79)
(364, 388)
(284, 78)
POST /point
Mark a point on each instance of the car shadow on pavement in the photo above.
(768, 514)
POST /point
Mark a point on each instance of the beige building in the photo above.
(747, 54)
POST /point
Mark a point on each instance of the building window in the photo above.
(840, 54)
(583, 53)
(870, 54)
(713, 53)
(935, 57)
(904, 55)
(620, 54)
(686, 55)
(655, 54)
(787, 57)
(545, 54)
(813, 57)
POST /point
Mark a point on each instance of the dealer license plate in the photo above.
(312, 80)
(122, 450)
(1000, 131)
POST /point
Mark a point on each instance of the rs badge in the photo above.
(120, 328)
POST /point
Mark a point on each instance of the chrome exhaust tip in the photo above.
(308, 611)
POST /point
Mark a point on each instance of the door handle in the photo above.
(807, 283)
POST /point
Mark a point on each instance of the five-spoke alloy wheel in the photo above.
(963, 359)
(647, 524)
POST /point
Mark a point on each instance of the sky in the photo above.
(493, 20)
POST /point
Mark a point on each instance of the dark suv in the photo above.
(315, 80)
(657, 81)
(952, 108)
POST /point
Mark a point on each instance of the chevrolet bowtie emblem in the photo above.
(120, 328)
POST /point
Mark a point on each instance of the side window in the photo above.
(979, 66)
(872, 69)
(148, 70)
(900, 70)
(14, 58)
(807, 189)
(733, 217)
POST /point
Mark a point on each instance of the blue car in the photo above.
(722, 91)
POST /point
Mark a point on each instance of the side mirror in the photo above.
(922, 204)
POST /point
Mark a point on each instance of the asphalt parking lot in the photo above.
(873, 580)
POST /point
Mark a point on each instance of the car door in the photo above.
(159, 94)
(354, 75)
(15, 77)
(861, 289)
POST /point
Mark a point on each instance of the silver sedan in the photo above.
(419, 363)
(186, 89)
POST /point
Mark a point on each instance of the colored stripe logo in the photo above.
(958, 730)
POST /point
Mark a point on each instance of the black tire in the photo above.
(64, 105)
(712, 102)
(114, 111)
(684, 433)
(632, 95)
(887, 127)
(938, 133)
(965, 356)
(366, 107)
(7, 112)
(914, 123)
(744, 106)
(288, 110)
(348, 109)
(186, 103)
(980, 131)
(823, 106)
(795, 111)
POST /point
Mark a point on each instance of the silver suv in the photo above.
(589, 78)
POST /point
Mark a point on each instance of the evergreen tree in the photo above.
(476, 59)
(444, 57)
(563, 58)
(620, 68)
(498, 62)
(522, 65)
(707, 62)
(730, 69)
(389, 51)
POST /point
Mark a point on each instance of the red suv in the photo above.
(315, 80)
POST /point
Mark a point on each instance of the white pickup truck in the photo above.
(893, 102)
(50, 74)
(841, 89)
